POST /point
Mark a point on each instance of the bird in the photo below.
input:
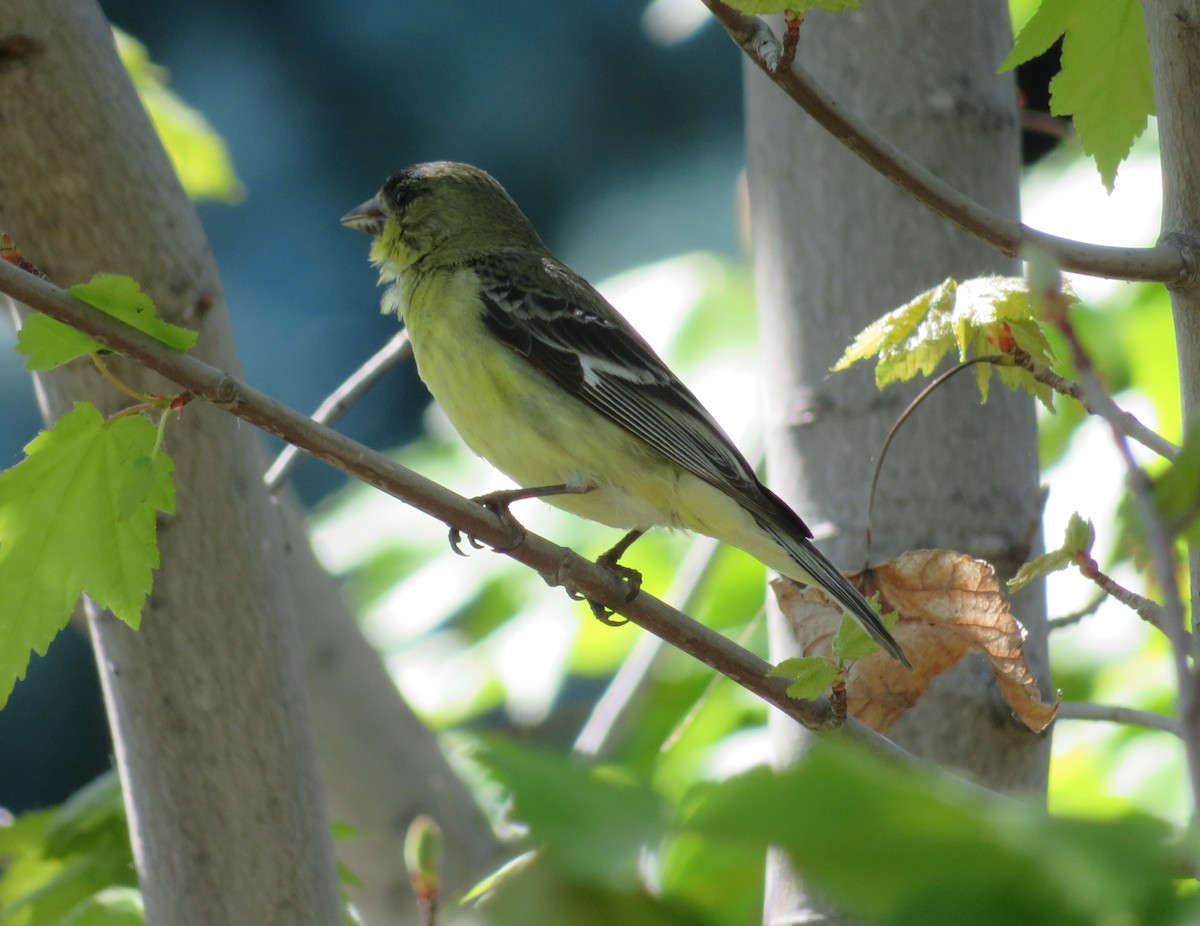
(543, 378)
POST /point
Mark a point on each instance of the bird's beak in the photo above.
(368, 217)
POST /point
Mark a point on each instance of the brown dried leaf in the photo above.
(950, 605)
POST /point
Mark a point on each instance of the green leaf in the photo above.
(811, 676)
(491, 882)
(538, 894)
(197, 152)
(852, 642)
(1105, 80)
(591, 821)
(892, 844)
(114, 906)
(122, 298)
(49, 343)
(976, 318)
(423, 851)
(97, 810)
(71, 864)
(69, 525)
(1079, 537)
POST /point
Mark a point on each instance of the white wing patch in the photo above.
(596, 368)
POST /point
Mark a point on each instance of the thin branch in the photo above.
(1033, 120)
(557, 565)
(1078, 710)
(1159, 539)
(1067, 620)
(341, 400)
(1124, 421)
(1165, 263)
(1149, 611)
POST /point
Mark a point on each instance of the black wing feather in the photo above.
(566, 329)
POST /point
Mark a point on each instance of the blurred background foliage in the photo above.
(619, 132)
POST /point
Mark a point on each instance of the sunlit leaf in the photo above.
(1105, 82)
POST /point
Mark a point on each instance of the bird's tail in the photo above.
(824, 574)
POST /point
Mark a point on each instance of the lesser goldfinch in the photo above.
(544, 379)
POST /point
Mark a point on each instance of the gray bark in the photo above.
(207, 702)
(835, 246)
(1173, 29)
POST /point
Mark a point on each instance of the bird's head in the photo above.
(440, 208)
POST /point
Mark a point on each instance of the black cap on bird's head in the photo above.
(439, 202)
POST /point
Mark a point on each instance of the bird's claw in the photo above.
(497, 503)
(456, 539)
(630, 576)
(605, 615)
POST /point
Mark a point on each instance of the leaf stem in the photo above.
(146, 400)
(904, 416)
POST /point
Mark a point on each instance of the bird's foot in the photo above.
(497, 503)
(612, 562)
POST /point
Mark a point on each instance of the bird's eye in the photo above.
(403, 195)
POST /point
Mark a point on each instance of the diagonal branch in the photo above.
(557, 565)
(1078, 710)
(1122, 420)
(1165, 263)
(341, 400)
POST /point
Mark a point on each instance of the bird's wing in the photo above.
(567, 330)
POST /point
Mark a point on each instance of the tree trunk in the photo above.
(836, 246)
(1172, 28)
(207, 704)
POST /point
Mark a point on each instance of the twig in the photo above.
(1149, 611)
(1124, 421)
(1165, 263)
(791, 38)
(1033, 120)
(557, 565)
(1067, 620)
(341, 400)
(1160, 541)
(1078, 710)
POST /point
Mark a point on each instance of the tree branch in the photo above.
(1149, 611)
(557, 565)
(1125, 421)
(1171, 612)
(1074, 617)
(1165, 263)
(341, 400)
(1078, 710)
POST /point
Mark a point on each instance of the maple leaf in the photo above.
(78, 515)
(950, 605)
